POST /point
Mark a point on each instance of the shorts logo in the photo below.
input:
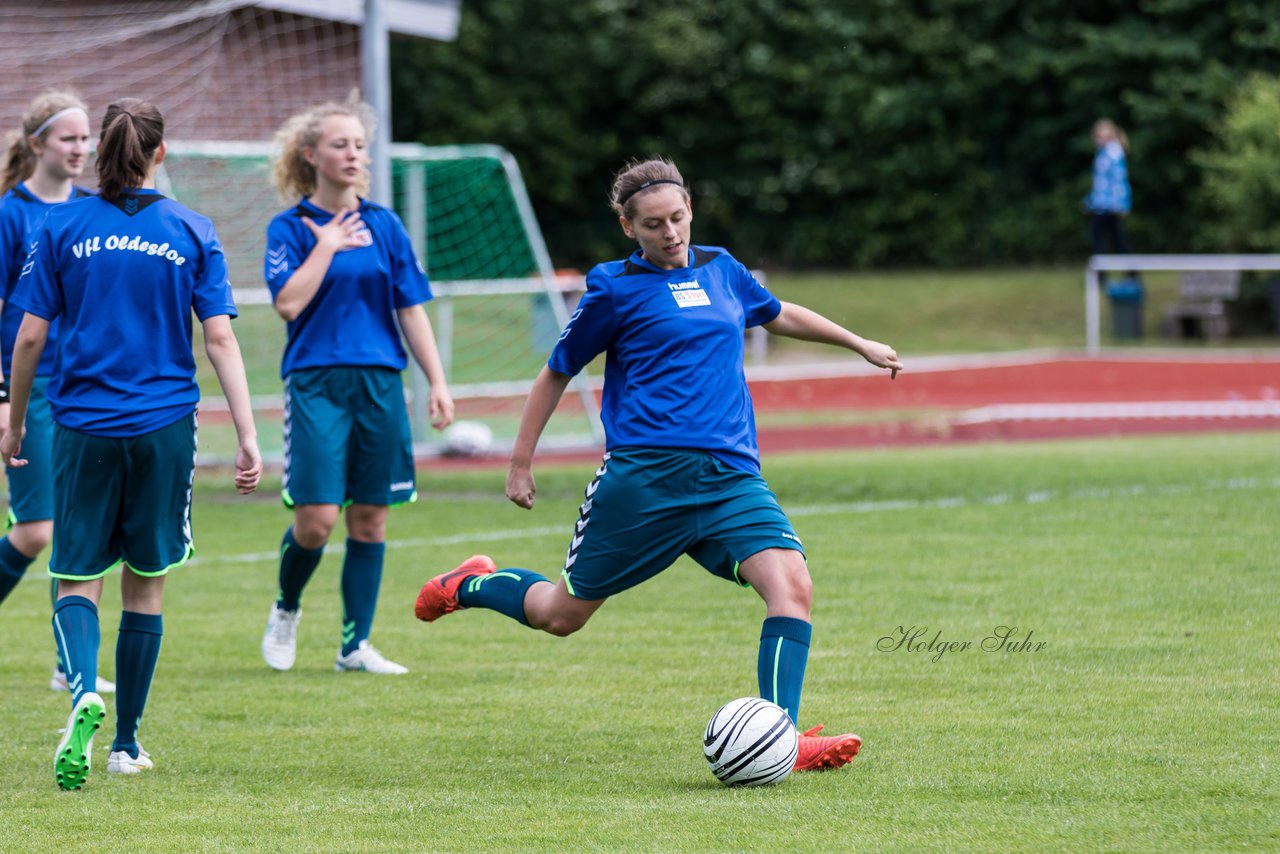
(688, 294)
(404, 484)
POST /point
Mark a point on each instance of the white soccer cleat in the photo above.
(369, 660)
(120, 762)
(280, 642)
(59, 683)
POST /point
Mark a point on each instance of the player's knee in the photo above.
(367, 523)
(31, 538)
(801, 590)
(367, 531)
(793, 587)
(563, 625)
(312, 533)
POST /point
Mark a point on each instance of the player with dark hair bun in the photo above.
(681, 472)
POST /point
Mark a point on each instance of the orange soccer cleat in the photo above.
(818, 752)
(439, 596)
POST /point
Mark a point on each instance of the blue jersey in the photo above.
(1110, 193)
(351, 320)
(123, 278)
(21, 213)
(673, 373)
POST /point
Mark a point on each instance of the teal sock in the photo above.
(13, 564)
(502, 591)
(784, 652)
(296, 567)
(137, 649)
(361, 578)
(76, 630)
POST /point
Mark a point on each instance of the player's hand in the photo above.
(441, 408)
(340, 232)
(520, 487)
(882, 356)
(11, 444)
(248, 467)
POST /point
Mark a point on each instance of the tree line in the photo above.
(886, 133)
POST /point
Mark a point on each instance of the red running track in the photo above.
(947, 392)
(943, 399)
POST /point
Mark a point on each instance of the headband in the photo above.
(49, 121)
(646, 185)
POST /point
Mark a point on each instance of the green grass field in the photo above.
(1146, 722)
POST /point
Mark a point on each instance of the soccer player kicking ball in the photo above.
(122, 272)
(681, 472)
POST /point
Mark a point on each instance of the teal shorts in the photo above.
(31, 486)
(648, 506)
(122, 499)
(346, 438)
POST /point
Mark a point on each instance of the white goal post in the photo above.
(499, 303)
(1099, 264)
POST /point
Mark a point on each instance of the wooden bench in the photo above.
(1201, 310)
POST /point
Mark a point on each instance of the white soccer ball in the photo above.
(751, 742)
(468, 438)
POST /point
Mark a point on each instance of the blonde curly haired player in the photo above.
(344, 277)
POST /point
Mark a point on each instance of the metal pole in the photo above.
(1091, 310)
(415, 196)
(375, 62)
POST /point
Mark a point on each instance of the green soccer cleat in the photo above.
(71, 762)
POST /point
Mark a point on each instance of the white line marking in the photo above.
(1090, 411)
(1042, 496)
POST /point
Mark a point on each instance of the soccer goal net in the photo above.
(499, 306)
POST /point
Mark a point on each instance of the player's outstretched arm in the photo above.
(27, 348)
(796, 321)
(416, 327)
(543, 398)
(224, 354)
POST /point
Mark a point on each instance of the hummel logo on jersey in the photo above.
(362, 238)
(688, 294)
(277, 261)
(31, 258)
(131, 206)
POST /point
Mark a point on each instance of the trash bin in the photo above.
(1126, 308)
